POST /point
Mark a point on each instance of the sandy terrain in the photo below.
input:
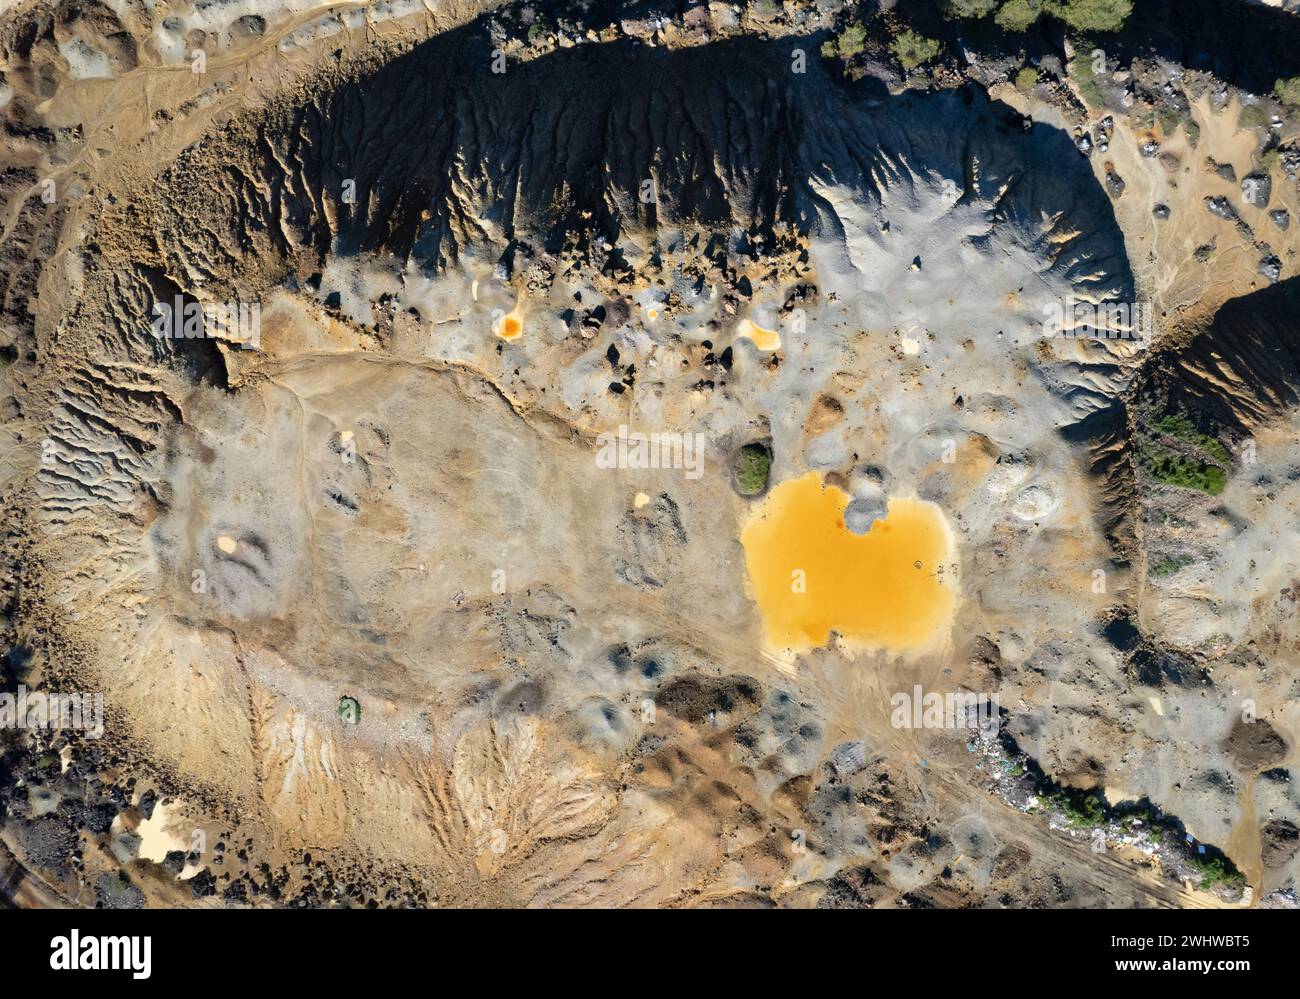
(377, 618)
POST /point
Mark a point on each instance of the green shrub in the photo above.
(1086, 81)
(1169, 566)
(1253, 116)
(968, 8)
(1018, 15)
(1092, 15)
(1082, 810)
(913, 49)
(850, 42)
(752, 469)
(1288, 91)
(1081, 15)
(1217, 871)
(1176, 469)
(1027, 78)
(1180, 427)
(1207, 473)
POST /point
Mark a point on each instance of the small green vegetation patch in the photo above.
(1091, 15)
(1020, 15)
(913, 49)
(1180, 427)
(1205, 469)
(969, 8)
(1086, 81)
(1217, 871)
(1170, 121)
(1082, 810)
(848, 43)
(1288, 91)
(1027, 78)
(1253, 116)
(1169, 566)
(1175, 469)
(752, 468)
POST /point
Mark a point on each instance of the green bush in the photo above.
(913, 49)
(968, 8)
(1092, 15)
(1081, 15)
(1027, 78)
(1180, 427)
(1018, 15)
(1084, 813)
(1288, 91)
(1082, 810)
(1207, 473)
(1253, 116)
(752, 469)
(1086, 80)
(1217, 871)
(851, 41)
(1175, 469)
(1169, 566)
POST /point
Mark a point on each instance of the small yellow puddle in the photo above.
(510, 326)
(811, 575)
(764, 339)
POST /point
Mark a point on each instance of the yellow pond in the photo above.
(811, 575)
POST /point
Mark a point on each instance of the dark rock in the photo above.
(1221, 207)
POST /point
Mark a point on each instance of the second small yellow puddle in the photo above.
(811, 575)
(510, 326)
(764, 339)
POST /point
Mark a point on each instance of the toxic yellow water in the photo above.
(764, 339)
(811, 575)
(511, 327)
